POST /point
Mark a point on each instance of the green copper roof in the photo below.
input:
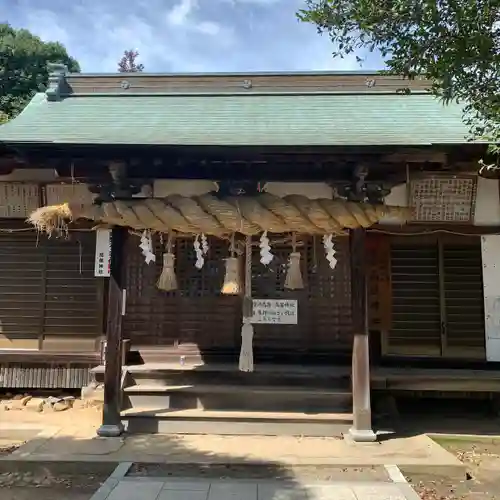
(237, 120)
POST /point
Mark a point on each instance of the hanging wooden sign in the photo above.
(275, 311)
(102, 267)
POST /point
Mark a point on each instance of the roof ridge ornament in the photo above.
(57, 78)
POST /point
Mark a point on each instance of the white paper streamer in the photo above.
(330, 250)
(146, 246)
(204, 244)
(200, 261)
(266, 256)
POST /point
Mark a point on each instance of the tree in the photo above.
(24, 60)
(128, 64)
(453, 43)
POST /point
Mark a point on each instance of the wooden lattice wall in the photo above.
(197, 316)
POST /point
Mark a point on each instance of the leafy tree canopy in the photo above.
(128, 62)
(454, 43)
(24, 60)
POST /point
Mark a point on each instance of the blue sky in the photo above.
(182, 35)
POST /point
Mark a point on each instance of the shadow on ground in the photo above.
(407, 417)
(54, 467)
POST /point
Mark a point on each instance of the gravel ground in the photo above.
(264, 472)
(26, 486)
(480, 482)
(8, 447)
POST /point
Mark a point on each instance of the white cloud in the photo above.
(266, 3)
(208, 28)
(180, 12)
(181, 35)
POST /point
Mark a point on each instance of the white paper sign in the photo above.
(275, 311)
(102, 267)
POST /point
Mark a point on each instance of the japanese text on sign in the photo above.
(103, 253)
(275, 311)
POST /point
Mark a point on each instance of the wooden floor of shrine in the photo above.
(275, 399)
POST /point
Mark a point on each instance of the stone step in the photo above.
(196, 421)
(220, 374)
(238, 397)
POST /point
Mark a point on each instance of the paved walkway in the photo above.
(120, 487)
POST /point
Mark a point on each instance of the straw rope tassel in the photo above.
(293, 280)
(246, 353)
(168, 280)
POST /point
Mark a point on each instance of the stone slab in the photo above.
(182, 495)
(279, 492)
(378, 492)
(79, 444)
(327, 492)
(105, 490)
(129, 490)
(233, 491)
(195, 489)
(202, 486)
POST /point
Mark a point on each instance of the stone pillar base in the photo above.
(110, 430)
(362, 436)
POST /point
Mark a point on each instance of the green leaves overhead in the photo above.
(23, 67)
(454, 43)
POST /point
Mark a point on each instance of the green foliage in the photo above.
(454, 43)
(23, 67)
(128, 62)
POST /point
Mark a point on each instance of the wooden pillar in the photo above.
(111, 420)
(361, 430)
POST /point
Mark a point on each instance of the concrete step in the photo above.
(238, 397)
(196, 421)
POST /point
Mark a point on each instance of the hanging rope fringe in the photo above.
(246, 352)
(232, 277)
(168, 280)
(293, 280)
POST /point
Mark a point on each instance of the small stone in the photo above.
(70, 400)
(92, 394)
(35, 404)
(25, 400)
(61, 406)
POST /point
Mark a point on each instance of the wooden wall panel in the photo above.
(49, 297)
(143, 83)
(195, 316)
(437, 297)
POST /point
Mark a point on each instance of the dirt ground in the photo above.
(481, 481)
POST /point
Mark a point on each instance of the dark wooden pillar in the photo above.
(111, 421)
(361, 430)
